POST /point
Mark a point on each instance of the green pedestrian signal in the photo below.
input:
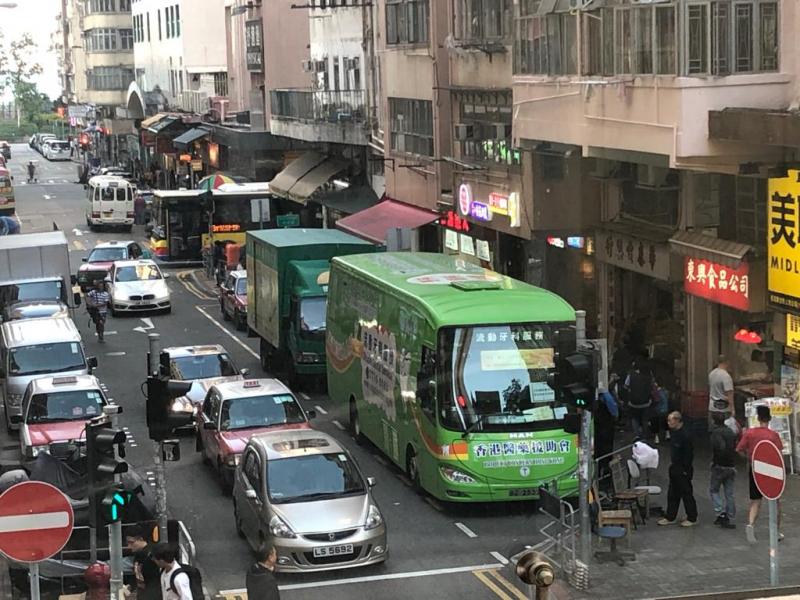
(116, 503)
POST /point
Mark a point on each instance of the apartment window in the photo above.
(158, 18)
(483, 19)
(546, 44)
(726, 36)
(411, 124)
(102, 6)
(177, 20)
(483, 132)
(221, 84)
(168, 21)
(124, 5)
(406, 21)
(336, 73)
(101, 40)
(355, 67)
(126, 39)
(138, 29)
(109, 78)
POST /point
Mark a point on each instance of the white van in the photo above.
(109, 202)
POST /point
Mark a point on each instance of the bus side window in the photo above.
(426, 383)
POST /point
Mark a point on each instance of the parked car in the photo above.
(233, 298)
(202, 365)
(55, 411)
(136, 286)
(304, 492)
(5, 150)
(233, 411)
(102, 257)
(40, 138)
(56, 150)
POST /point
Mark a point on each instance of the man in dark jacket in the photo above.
(260, 581)
(146, 572)
(639, 384)
(723, 470)
(681, 470)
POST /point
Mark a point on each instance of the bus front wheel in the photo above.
(412, 467)
(355, 426)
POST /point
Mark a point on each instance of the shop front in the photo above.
(725, 315)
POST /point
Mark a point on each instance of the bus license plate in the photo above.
(523, 492)
(333, 550)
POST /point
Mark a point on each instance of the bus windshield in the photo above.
(494, 378)
(233, 214)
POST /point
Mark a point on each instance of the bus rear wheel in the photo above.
(355, 426)
(412, 468)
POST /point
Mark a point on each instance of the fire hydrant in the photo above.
(98, 579)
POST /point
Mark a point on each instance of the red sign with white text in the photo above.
(718, 283)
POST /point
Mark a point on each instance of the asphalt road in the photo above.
(435, 552)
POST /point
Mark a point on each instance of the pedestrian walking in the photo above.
(175, 581)
(97, 303)
(723, 471)
(146, 572)
(605, 418)
(745, 447)
(260, 580)
(640, 397)
(720, 391)
(681, 471)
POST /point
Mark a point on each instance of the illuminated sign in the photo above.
(185, 157)
(480, 211)
(718, 283)
(556, 241)
(226, 228)
(464, 199)
(452, 221)
(783, 241)
(213, 155)
(498, 204)
(575, 241)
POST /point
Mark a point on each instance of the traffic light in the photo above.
(574, 378)
(101, 461)
(161, 419)
(115, 504)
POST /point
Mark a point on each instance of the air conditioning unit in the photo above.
(501, 131)
(651, 177)
(463, 131)
(308, 66)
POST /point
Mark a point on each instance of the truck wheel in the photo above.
(355, 426)
(412, 468)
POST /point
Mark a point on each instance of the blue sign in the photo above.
(480, 211)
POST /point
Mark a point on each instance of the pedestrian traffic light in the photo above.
(574, 379)
(102, 463)
(84, 141)
(161, 419)
(116, 503)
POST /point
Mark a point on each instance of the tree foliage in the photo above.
(17, 70)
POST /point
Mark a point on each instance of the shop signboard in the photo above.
(640, 255)
(717, 283)
(483, 250)
(288, 220)
(781, 410)
(497, 203)
(783, 242)
(793, 331)
(450, 239)
(467, 244)
(197, 165)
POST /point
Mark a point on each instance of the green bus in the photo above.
(443, 366)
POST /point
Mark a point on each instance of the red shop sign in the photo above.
(718, 283)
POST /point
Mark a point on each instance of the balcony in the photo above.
(334, 116)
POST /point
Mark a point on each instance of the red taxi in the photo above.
(235, 410)
(55, 411)
(102, 257)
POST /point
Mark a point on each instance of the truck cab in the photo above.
(305, 327)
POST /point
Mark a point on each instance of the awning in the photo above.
(186, 138)
(162, 124)
(373, 223)
(350, 201)
(305, 175)
(152, 120)
(698, 245)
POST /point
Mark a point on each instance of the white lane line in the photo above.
(466, 530)
(46, 197)
(107, 333)
(228, 333)
(304, 396)
(339, 425)
(763, 468)
(51, 520)
(499, 557)
(320, 410)
(368, 578)
(115, 354)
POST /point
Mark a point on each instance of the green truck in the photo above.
(443, 365)
(287, 288)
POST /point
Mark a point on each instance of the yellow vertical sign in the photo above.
(783, 241)
(793, 332)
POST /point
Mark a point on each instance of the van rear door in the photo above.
(108, 203)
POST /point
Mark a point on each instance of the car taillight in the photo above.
(96, 215)
(129, 214)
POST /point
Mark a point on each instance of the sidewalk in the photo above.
(674, 560)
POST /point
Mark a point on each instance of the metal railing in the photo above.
(327, 106)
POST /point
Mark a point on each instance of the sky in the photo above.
(37, 17)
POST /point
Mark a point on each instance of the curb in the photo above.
(203, 283)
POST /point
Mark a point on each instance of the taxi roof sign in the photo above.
(64, 380)
(252, 383)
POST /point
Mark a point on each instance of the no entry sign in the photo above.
(769, 472)
(36, 521)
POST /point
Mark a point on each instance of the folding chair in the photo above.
(624, 496)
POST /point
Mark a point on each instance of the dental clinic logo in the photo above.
(524, 471)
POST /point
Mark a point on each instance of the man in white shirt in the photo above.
(720, 390)
(172, 588)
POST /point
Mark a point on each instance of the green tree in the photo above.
(17, 70)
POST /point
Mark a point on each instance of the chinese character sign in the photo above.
(783, 241)
(718, 283)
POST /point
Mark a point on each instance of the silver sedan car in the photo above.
(302, 492)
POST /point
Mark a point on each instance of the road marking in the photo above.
(228, 333)
(46, 197)
(466, 530)
(34, 522)
(148, 325)
(339, 425)
(77, 232)
(515, 591)
(484, 578)
(763, 468)
(499, 557)
(320, 410)
(192, 288)
(369, 578)
(304, 396)
(107, 333)
(115, 354)
(78, 245)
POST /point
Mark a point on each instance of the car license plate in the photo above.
(333, 550)
(523, 492)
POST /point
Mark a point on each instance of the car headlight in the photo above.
(279, 528)
(374, 517)
(15, 399)
(455, 475)
(233, 460)
(183, 405)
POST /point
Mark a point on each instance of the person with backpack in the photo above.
(260, 579)
(723, 471)
(640, 397)
(178, 581)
